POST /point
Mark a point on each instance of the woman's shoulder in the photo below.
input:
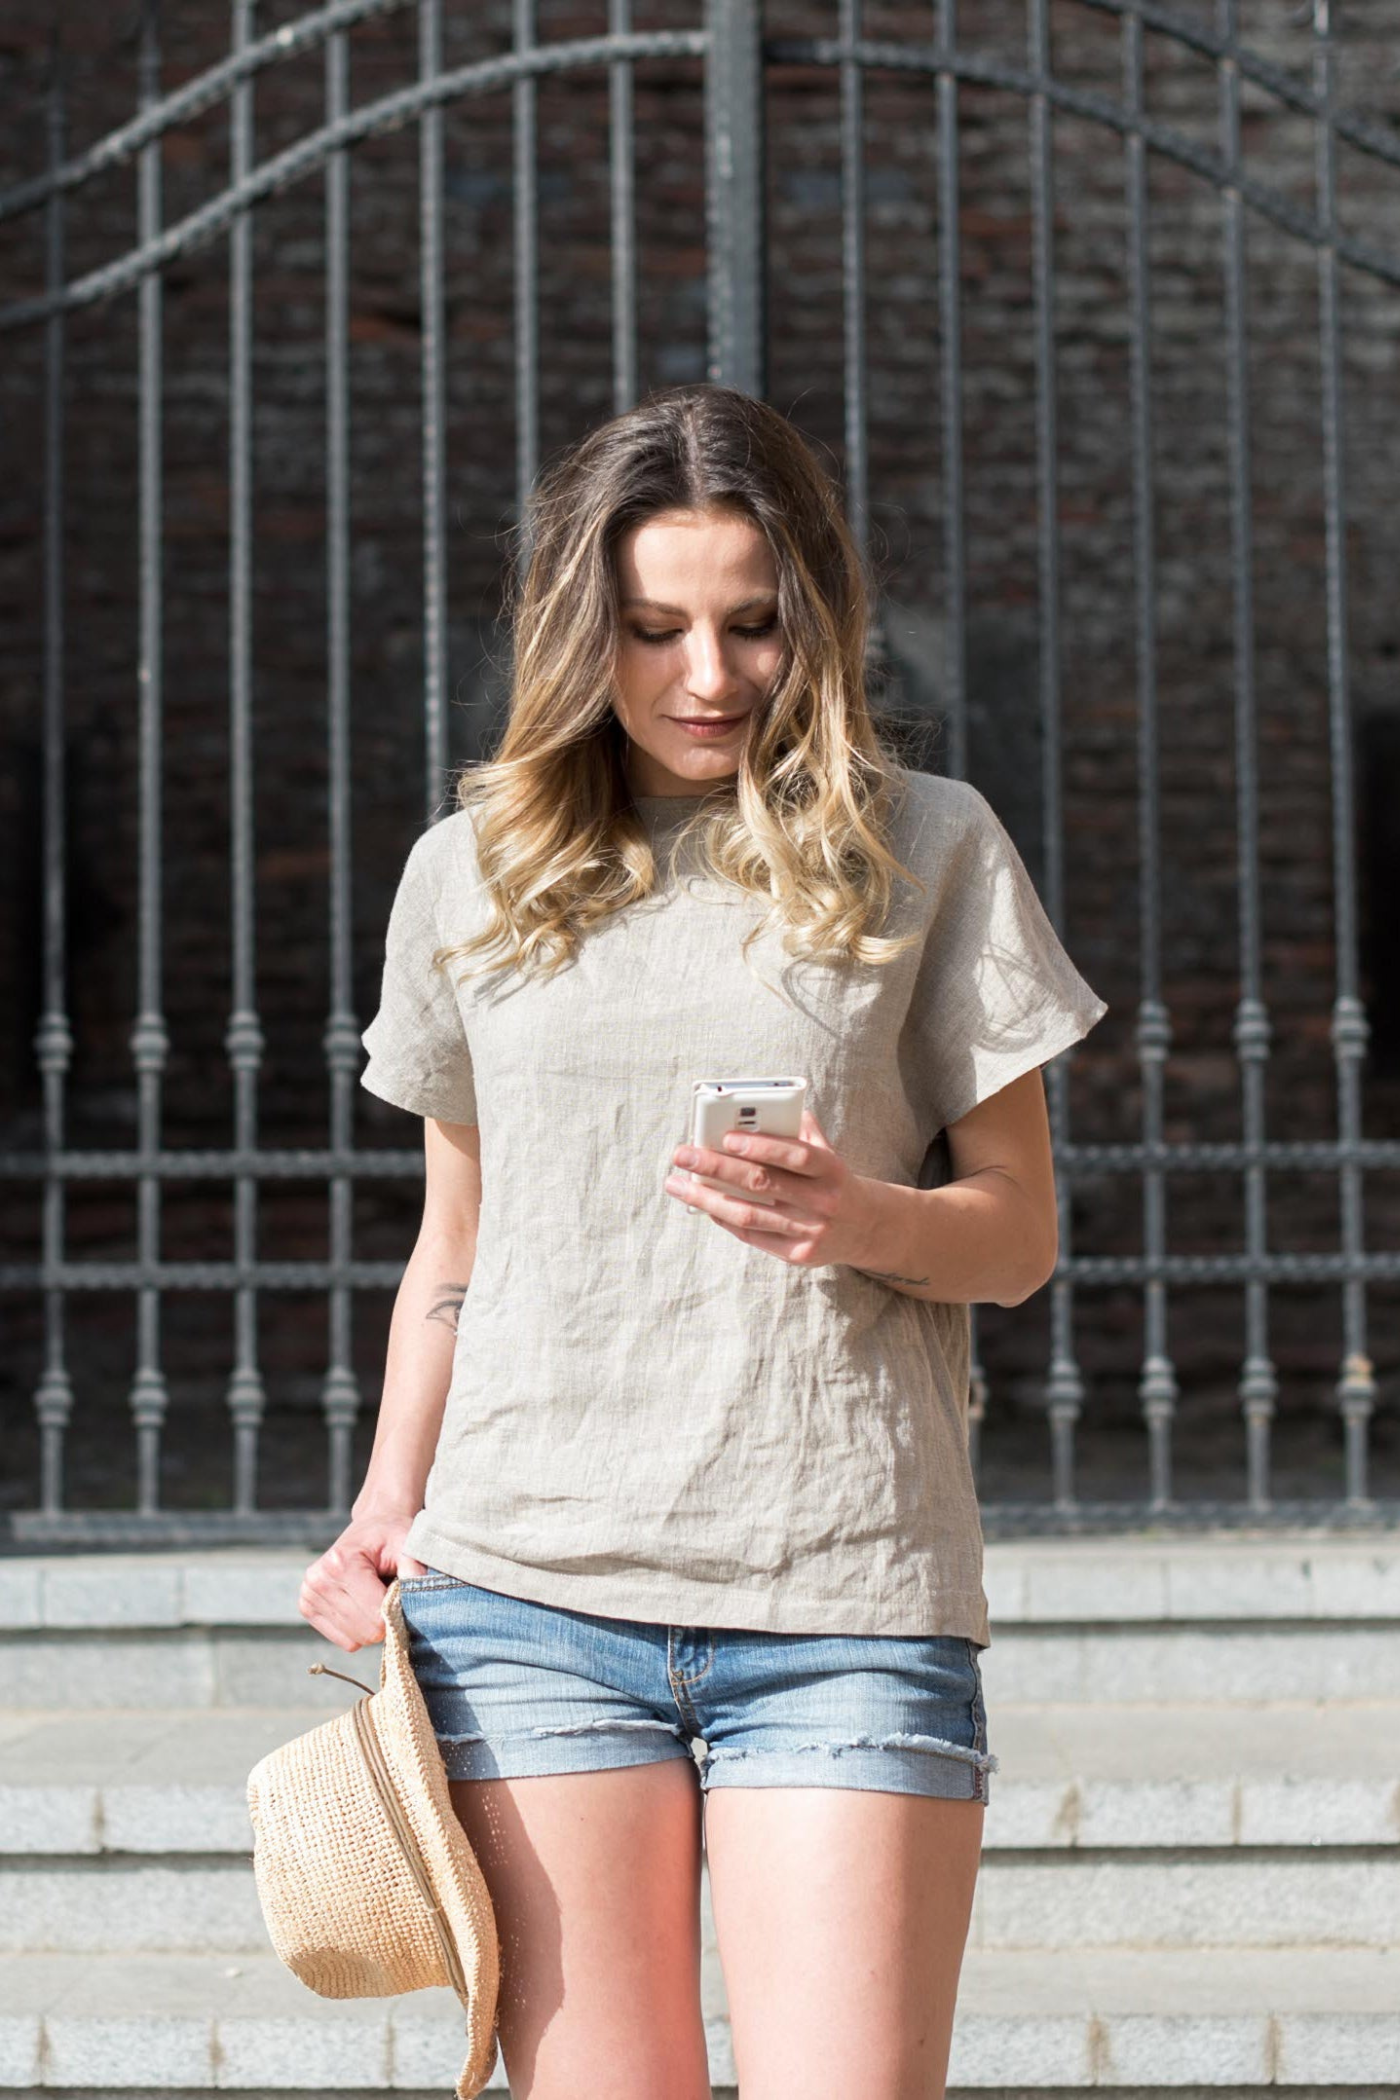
(445, 851)
(936, 814)
(441, 876)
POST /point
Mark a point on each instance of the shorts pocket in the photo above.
(979, 1708)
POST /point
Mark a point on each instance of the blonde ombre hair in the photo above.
(559, 842)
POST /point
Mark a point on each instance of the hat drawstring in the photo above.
(325, 1670)
(382, 1781)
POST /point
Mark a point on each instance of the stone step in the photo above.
(1137, 1577)
(222, 1667)
(1072, 1778)
(1223, 1898)
(1144, 1620)
(1314, 2018)
(1184, 1827)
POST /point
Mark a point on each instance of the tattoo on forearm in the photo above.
(889, 1276)
(448, 1307)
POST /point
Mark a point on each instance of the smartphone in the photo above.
(772, 1107)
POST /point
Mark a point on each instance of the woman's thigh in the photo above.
(580, 1797)
(595, 1884)
(846, 1787)
(841, 1915)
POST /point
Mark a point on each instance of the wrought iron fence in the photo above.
(730, 43)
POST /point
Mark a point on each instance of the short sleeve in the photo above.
(996, 994)
(418, 1053)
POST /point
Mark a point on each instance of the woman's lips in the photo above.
(709, 726)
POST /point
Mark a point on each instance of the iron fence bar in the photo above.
(1258, 1384)
(53, 1042)
(1356, 1384)
(206, 1275)
(243, 1041)
(150, 1041)
(622, 185)
(1157, 1380)
(340, 1388)
(1083, 1161)
(1309, 1267)
(1064, 1385)
(954, 708)
(195, 96)
(382, 1162)
(29, 1531)
(434, 431)
(854, 387)
(1087, 1270)
(954, 696)
(527, 210)
(1001, 1520)
(734, 193)
(404, 106)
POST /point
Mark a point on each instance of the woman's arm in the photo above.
(423, 1329)
(992, 1232)
(343, 1591)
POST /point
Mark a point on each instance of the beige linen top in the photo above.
(647, 1417)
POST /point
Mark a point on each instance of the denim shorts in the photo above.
(514, 1688)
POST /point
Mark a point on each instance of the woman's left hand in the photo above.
(809, 1208)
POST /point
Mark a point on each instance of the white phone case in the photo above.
(770, 1106)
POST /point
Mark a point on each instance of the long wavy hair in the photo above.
(803, 825)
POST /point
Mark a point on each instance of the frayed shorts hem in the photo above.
(944, 1772)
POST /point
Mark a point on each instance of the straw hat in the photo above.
(367, 1882)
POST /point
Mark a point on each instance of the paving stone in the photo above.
(65, 1907)
(174, 1780)
(1220, 1898)
(428, 2043)
(21, 1602)
(97, 1671)
(1181, 2022)
(349, 2050)
(87, 1591)
(1161, 1664)
(242, 1594)
(60, 1819)
(1128, 1577)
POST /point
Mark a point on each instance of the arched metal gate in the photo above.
(731, 42)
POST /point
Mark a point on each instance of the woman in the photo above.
(668, 1469)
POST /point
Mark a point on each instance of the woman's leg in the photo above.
(595, 1883)
(841, 1915)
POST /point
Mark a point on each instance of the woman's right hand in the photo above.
(342, 1593)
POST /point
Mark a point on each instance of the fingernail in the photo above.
(685, 1156)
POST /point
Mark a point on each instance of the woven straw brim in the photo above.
(335, 1866)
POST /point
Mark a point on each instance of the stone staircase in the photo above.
(1191, 1862)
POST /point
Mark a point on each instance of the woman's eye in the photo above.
(747, 634)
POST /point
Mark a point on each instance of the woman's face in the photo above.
(698, 641)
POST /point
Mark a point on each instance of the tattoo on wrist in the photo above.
(447, 1308)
